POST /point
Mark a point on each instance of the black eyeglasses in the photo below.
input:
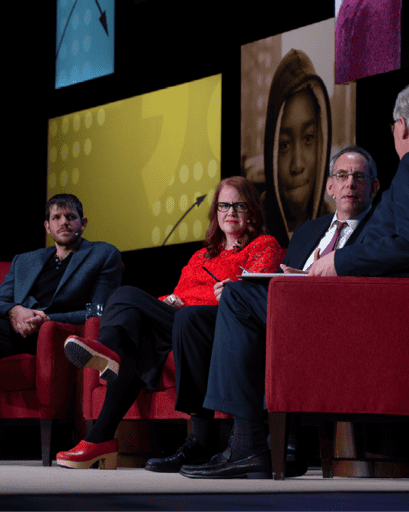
(360, 177)
(237, 207)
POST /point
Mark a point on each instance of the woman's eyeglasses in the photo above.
(237, 207)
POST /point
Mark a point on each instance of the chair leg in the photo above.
(46, 431)
(278, 425)
(326, 433)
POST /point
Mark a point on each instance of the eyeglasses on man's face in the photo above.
(237, 207)
(359, 177)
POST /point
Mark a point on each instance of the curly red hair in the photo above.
(215, 238)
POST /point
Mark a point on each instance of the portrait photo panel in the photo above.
(293, 119)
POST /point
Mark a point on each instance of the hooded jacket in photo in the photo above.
(294, 73)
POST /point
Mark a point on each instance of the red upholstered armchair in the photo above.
(338, 348)
(42, 386)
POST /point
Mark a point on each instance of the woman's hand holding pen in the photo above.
(218, 288)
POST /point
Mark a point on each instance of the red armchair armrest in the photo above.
(54, 373)
(338, 345)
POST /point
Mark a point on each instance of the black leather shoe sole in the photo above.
(254, 467)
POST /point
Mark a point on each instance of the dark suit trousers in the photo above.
(192, 339)
(12, 343)
(237, 369)
(146, 324)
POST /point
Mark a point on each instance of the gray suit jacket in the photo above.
(94, 271)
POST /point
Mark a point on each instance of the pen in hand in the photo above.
(208, 271)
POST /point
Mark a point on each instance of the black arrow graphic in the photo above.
(103, 18)
(199, 200)
(66, 26)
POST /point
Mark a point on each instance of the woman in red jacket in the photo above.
(136, 329)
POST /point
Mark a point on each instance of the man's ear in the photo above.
(406, 130)
(84, 223)
(374, 188)
(402, 122)
(47, 227)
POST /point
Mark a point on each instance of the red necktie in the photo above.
(334, 240)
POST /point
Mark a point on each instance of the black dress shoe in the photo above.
(296, 460)
(297, 468)
(255, 466)
(192, 452)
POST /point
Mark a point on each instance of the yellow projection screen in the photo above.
(144, 168)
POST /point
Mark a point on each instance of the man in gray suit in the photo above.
(55, 283)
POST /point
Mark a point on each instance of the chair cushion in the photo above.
(17, 372)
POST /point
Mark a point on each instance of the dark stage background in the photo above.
(157, 44)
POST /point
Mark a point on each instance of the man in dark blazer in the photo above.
(383, 246)
(237, 352)
(236, 375)
(55, 283)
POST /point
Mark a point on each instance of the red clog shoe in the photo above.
(93, 354)
(85, 454)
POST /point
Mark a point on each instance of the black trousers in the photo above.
(139, 328)
(146, 324)
(12, 343)
(193, 333)
(142, 330)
